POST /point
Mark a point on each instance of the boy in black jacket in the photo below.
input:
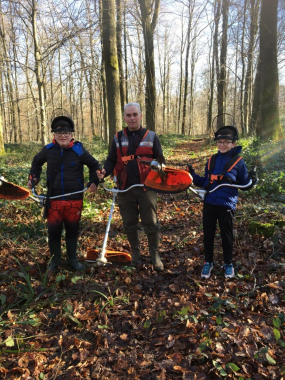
(65, 160)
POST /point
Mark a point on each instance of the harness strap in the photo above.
(142, 135)
(228, 167)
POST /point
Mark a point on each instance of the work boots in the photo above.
(153, 246)
(55, 252)
(71, 246)
(133, 238)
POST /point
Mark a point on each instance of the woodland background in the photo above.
(183, 61)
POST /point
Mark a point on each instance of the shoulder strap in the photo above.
(119, 136)
(211, 163)
(231, 163)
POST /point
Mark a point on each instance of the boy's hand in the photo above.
(253, 175)
(32, 182)
(190, 168)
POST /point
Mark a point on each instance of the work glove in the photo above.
(190, 168)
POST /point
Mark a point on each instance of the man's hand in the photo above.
(101, 174)
(92, 188)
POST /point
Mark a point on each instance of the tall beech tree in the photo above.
(149, 15)
(269, 126)
(111, 65)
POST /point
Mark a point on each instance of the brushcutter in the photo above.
(106, 256)
(176, 180)
(10, 191)
(41, 198)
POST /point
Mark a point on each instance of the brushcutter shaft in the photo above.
(201, 192)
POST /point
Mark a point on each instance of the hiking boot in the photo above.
(229, 270)
(207, 269)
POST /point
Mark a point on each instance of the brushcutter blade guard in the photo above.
(175, 181)
(116, 257)
(12, 192)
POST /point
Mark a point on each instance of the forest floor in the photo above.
(115, 322)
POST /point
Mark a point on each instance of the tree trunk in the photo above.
(39, 76)
(269, 126)
(120, 53)
(149, 18)
(254, 11)
(2, 150)
(111, 67)
(186, 72)
(223, 64)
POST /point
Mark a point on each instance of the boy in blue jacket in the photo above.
(224, 167)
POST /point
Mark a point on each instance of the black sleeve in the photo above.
(38, 161)
(157, 150)
(111, 159)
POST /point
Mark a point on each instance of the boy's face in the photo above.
(63, 138)
(225, 145)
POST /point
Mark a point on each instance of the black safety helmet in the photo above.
(228, 132)
(61, 124)
(61, 121)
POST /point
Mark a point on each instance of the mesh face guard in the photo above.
(227, 132)
(62, 124)
(11, 191)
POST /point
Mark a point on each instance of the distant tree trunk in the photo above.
(223, 64)
(39, 76)
(269, 126)
(2, 149)
(120, 53)
(242, 69)
(255, 113)
(179, 105)
(215, 62)
(149, 16)
(192, 85)
(217, 13)
(8, 83)
(186, 71)
(254, 11)
(111, 67)
(125, 57)
(103, 100)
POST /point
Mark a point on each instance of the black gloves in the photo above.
(190, 168)
(253, 175)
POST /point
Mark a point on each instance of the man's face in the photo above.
(63, 138)
(225, 145)
(132, 117)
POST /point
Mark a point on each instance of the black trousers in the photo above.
(212, 214)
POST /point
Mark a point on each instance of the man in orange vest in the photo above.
(130, 147)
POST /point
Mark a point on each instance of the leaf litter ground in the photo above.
(118, 323)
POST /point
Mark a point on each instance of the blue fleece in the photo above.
(224, 196)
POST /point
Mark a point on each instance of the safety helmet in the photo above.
(228, 132)
(61, 121)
